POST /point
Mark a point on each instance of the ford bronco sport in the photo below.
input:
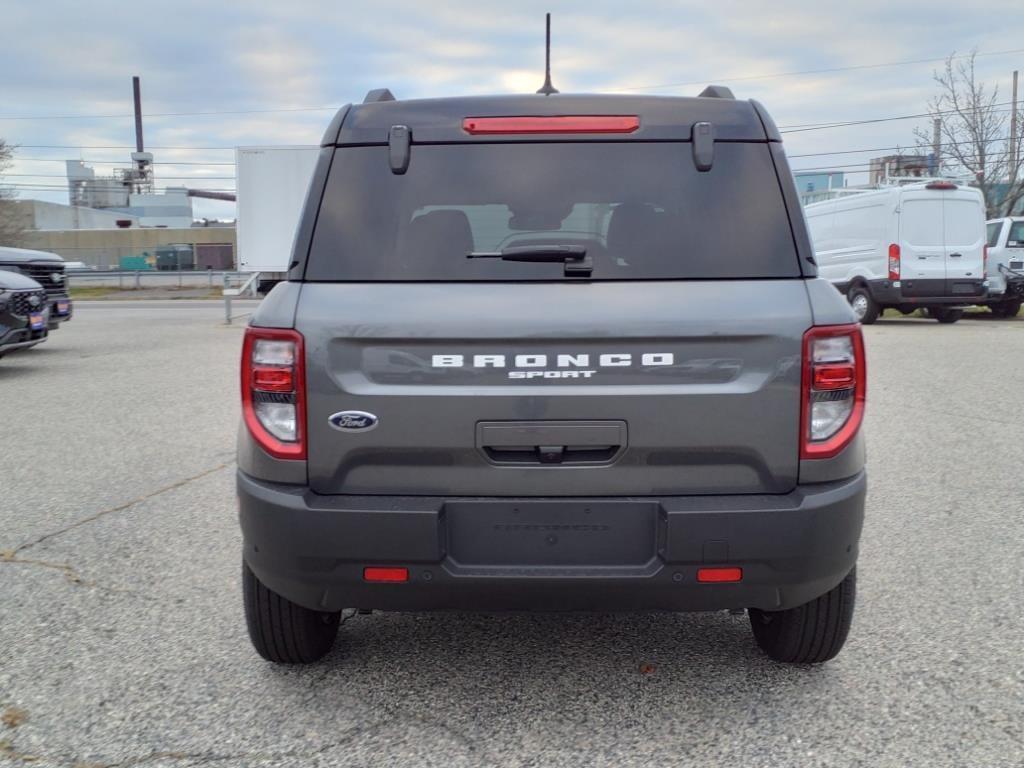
(552, 352)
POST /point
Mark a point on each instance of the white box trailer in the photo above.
(272, 184)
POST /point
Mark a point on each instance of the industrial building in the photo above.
(143, 248)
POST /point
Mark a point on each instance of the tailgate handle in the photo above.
(955, 255)
(551, 442)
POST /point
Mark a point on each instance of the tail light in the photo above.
(833, 389)
(984, 261)
(894, 261)
(274, 391)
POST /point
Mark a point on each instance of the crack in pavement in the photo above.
(194, 758)
(70, 572)
(9, 554)
(70, 575)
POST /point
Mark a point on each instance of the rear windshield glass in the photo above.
(1016, 236)
(641, 211)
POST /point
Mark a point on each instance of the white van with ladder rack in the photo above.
(904, 247)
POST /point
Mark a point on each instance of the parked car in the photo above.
(24, 312)
(48, 270)
(920, 245)
(1005, 266)
(552, 353)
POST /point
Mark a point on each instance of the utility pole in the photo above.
(937, 144)
(1014, 129)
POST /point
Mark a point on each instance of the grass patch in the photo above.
(92, 291)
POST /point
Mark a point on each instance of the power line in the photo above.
(171, 114)
(113, 146)
(918, 116)
(829, 70)
(18, 158)
(62, 176)
(896, 148)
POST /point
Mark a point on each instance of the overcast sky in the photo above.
(65, 58)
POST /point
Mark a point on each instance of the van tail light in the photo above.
(894, 261)
(833, 389)
(984, 261)
(274, 391)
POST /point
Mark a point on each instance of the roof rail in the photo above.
(716, 92)
(378, 94)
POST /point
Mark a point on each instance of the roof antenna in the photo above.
(547, 89)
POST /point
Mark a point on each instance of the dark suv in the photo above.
(552, 353)
(47, 269)
(24, 312)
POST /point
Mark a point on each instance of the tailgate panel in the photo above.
(698, 382)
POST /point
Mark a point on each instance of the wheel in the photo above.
(282, 631)
(864, 307)
(810, 633)
(1006, 309)
(944, 315)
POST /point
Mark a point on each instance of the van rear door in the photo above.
(963, 240)
(922, 245)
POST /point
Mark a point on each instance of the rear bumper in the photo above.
(551, 554)
(928, 292)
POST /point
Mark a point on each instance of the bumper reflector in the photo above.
(391, 575)
(719, 575)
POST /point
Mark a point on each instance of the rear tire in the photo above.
(864, 306)
(944, 315)
(282, 631)
(1006, 309)
(810, 633)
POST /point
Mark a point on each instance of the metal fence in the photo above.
(151, 278)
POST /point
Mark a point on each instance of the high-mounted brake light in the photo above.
(273, 391)
(833, 389)
(940, 185)
(894, 261)
(483, 126)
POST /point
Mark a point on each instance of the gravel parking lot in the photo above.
(122, 640)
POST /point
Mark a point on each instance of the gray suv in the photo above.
(552, 353)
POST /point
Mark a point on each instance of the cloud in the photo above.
(66, 57)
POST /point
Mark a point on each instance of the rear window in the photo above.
(992, 233)
(641, 211)
(1016, 236)
(921, 222)
(963, 222)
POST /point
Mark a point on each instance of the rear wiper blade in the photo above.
(573, 256)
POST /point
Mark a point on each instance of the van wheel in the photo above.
(864, 307)
(282, 631)
(944, 315)
(1006, 309)
(810, 633)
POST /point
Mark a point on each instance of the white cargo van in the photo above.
(1005, 268)
(919, 245)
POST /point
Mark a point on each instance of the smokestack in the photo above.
(137, 92)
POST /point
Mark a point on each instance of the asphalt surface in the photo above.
(122, 640)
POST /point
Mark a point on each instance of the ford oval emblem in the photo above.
(353, 421)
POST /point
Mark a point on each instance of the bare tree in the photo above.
(11, 226)
(975, 134)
